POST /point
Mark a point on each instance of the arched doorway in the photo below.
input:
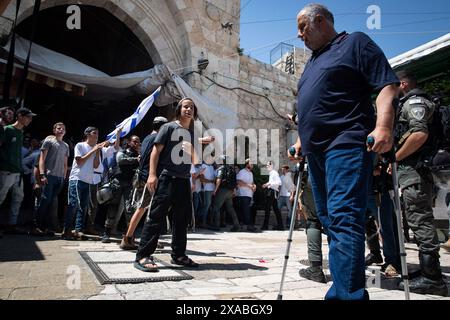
(105, 43)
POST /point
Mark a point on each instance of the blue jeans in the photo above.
(340, 180)
(245, 206)
(388, 228)
(49, 192)
(284, 202)
(78, 201)
(197, 202)
(207, 199)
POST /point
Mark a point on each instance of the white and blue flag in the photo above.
(132, 121)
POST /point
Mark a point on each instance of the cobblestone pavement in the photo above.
(237, 265)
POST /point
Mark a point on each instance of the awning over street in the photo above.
(99, 84)
(40, 77)
(426, 61)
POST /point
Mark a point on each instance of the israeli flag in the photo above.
(132, 121)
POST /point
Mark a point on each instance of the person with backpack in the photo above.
(414, 143)
(223, 194)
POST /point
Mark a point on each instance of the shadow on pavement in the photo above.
(20, 248)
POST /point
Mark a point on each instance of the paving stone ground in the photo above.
(236, 265)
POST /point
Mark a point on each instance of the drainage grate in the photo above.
(117, 268)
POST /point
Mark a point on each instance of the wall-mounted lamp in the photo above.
(202, 63)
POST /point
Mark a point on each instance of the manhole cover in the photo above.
(117, 267)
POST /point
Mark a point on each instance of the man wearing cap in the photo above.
(11, 141)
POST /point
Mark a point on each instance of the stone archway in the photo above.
(153, 25)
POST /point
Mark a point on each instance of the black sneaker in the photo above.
(423, 285)
(313, 273)
(373, 259)
(106, 238)
(36, 232)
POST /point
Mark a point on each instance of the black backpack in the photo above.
(228, 177)
(439, 139)
(441, 127)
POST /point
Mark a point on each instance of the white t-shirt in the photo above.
(287, 185)
(197, 183)
(86, 172)
(209, 174)
(247, 177)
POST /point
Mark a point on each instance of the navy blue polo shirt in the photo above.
(334, 93)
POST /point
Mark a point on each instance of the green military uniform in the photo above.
(415, 115)
(313, 234)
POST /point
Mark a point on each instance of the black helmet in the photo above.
(105, 194)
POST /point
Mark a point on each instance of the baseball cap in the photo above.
(88, 130)
(160, 120)
(25, 112)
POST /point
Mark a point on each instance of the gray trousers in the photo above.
(417, 190)
(11, 181)
(313, 227)
(224, 196)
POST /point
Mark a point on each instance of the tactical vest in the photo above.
(403, 130)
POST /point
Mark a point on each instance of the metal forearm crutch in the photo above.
(390, 157)
(398, 213)
(301, 169)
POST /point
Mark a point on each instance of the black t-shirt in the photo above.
(146, 150)
(334, 93)
(172, 160)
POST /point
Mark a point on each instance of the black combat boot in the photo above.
(313, 273)
(430, 281)
(106, 236)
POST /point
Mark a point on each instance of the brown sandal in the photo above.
(390, 272)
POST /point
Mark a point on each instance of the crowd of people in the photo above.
(221, 193)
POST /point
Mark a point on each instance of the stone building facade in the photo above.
(178, 33)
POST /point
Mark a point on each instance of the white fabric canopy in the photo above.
(100, 85)
(103, 86)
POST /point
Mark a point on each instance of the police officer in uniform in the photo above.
(412, 141)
